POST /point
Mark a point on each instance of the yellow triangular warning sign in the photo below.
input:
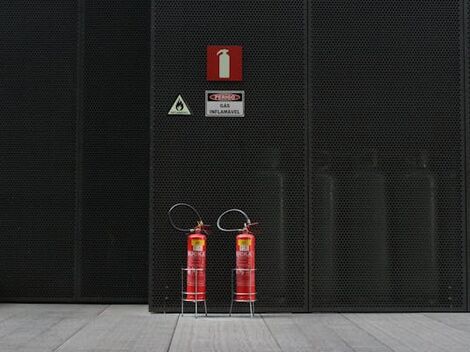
(179, 107)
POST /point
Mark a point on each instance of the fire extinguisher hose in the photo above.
(248, 221)
(186, 206)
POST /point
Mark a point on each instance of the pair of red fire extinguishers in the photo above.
(243, 274)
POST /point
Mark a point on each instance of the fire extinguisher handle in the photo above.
(248, 221)
(186, 206)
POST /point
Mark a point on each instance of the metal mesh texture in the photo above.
(467, 125)
(74, 106)
(385, 147)
(37, 161)
(114, 228)
(256, 163)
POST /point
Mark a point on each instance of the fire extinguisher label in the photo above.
(225, 103)
(244, 245)
(197, 245)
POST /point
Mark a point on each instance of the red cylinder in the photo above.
(196, 289)
(245, 265)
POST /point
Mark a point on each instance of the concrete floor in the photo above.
(126, 328)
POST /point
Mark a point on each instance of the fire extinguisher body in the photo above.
(245, 267)
(196, 264)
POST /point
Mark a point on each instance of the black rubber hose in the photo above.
(182, 205)
(248, 221)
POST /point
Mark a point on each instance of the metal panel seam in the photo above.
(465, 63)
(308, 153)
(79, 147)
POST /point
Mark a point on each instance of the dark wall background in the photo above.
(114, 207)
(382, 165)
(38, 106)
(74, 79)
(466, 49)
(257, 163)
(388, 140)
(74, 150)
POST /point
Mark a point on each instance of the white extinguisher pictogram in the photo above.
(224, 63)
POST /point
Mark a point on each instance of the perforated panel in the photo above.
(387, 146)
(466, 60)
(386, 135)
(256, 163)
(37, 143)
(114, 231)
(74, 150)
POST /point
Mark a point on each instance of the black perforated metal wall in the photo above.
(466, 55)
(385, 133)
(114, 207)
(387, 141)
(257, 163)
(38, 52)
(74, 107)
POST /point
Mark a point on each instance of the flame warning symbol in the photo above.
(179, 107)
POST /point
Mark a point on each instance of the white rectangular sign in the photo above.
(225, 103)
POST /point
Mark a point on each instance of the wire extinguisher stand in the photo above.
(195, 270)
(243, 275)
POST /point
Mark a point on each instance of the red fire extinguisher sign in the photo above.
(224, 63)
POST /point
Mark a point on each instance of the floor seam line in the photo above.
(46, 329)
(330, 330)
(385, 332)
(440, 325)
(173, 333)
(446, 324)
(81, 328)
(368, 333)
(424, 329)
(270, 332)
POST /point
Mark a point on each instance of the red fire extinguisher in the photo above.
(245, 277)
(196, 258)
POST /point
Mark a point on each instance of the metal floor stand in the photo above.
(196, 294)
(251, 302)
